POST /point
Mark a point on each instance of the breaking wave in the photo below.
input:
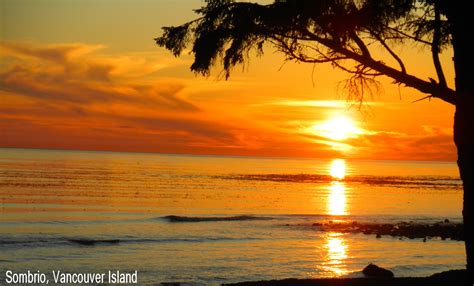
(175, 218)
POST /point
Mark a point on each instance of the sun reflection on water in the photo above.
(337, 250)
(336, 200)
(338, 169)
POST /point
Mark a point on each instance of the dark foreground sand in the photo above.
(449, 278)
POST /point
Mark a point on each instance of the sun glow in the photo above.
(338, 128)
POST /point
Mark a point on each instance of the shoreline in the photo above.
(451, 277)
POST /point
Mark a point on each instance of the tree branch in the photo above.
(365, 51)
(416, 39)
(289, 50)
(434, 89)
(390, 51)
(435, 47)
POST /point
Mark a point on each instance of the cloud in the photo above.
(65, 90)
(60, 126)
(431, 143)
(61, 54)
(50, 87)
(335, 104)
(69, 73)
(307, 103)
(68, 57)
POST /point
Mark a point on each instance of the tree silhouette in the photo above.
(343, 33)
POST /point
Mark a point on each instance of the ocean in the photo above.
(214, 219)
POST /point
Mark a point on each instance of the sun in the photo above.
(338, 128)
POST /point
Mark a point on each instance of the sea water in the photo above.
(216, 219)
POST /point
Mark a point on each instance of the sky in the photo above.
(87, 75)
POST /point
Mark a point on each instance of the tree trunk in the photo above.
(463, 134)
(464, 123)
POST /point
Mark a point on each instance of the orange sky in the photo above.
(87, 75)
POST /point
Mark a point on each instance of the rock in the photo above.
(453, 231)
(460, 275)
(373, 270)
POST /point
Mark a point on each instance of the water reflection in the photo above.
(336, 204)
(336, 201)
(336, 254)
(338, 169)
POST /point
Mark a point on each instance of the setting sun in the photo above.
(338, 128)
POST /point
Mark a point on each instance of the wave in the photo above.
(31, 241)
(94, 241)
(56, 241)
(438, 182)
(175, 218)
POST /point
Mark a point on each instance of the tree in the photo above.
(343, 33)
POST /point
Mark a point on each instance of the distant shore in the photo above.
(452, 277)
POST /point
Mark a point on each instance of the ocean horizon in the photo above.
(218, 155)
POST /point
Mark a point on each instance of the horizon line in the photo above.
(220, 155)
